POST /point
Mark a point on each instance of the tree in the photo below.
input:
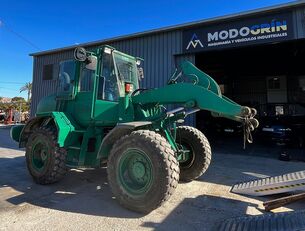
(18, 99)
(27, 87)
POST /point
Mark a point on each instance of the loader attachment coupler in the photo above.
(249, 124)
(204, 80)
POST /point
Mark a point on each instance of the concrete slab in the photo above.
(83, 200)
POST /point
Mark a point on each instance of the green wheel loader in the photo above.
(99, 116)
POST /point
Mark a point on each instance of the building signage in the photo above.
(272, 28)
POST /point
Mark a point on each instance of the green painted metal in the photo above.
(204, 79)
(186, 156)
(183, 93)
(84, 115)
(64, 127)
(47, 104)
(135, 171)
(204, 93)
(15, 132)
(40, 154)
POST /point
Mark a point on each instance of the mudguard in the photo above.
(116, 133)
(22, 135)
(64, 127)
(63, 124)
(16, 131)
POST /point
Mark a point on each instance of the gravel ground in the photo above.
(83, 200)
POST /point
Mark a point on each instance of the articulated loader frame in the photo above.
(145, 148)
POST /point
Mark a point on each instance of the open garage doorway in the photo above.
(270, 78)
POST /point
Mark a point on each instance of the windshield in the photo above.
(127, 69)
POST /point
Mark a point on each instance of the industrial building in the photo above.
(257, 57)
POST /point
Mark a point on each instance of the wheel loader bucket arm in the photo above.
(196, 96)
(203, 92)
(204, 79)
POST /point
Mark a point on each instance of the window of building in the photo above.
(47, 73)
(302, 82)
(274, 83)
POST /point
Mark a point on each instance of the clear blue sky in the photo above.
(53, 24)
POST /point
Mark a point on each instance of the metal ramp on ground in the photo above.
(290, 182)
(287, 221)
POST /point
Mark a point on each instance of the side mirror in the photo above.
(80, 54)
(140, 73)
(92, 63)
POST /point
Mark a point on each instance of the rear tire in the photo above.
(200, 155)
(45, 159)
(142, 171)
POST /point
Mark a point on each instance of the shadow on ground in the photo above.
(210, 212)
(85, 192)
(228, 169)
(259, 147)
(5, 139)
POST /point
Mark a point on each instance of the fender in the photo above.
(21, 133)
(63, 124)
(116, 133)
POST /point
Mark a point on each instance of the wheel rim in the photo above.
(39, 155)
(135, 171)
(189, 160)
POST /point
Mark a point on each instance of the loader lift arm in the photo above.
(202, 93)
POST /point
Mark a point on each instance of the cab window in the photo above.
(86, 80)
(127, 69)
(108, 83)
(66, 76)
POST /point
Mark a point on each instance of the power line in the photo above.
(10, 89)
(4, 25)
(11, 82)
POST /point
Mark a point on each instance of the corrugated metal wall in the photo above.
(162, 52)
(159, 52)
(299, 19)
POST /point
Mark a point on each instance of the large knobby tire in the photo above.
(45, 159)
(200, 154)
(142, 171)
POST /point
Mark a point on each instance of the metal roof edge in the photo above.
(288, 5)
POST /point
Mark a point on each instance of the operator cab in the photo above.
(95, 82)
(118, 75)
(114, 70)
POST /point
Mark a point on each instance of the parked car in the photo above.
(282, 124)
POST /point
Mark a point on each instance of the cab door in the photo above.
(84, 97)
(106, 107)
(66, 85)
(66, 88)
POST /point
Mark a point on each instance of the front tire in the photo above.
(142, 171)
(199, 157)
(45, 159)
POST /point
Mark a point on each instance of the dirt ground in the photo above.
(83, 200)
